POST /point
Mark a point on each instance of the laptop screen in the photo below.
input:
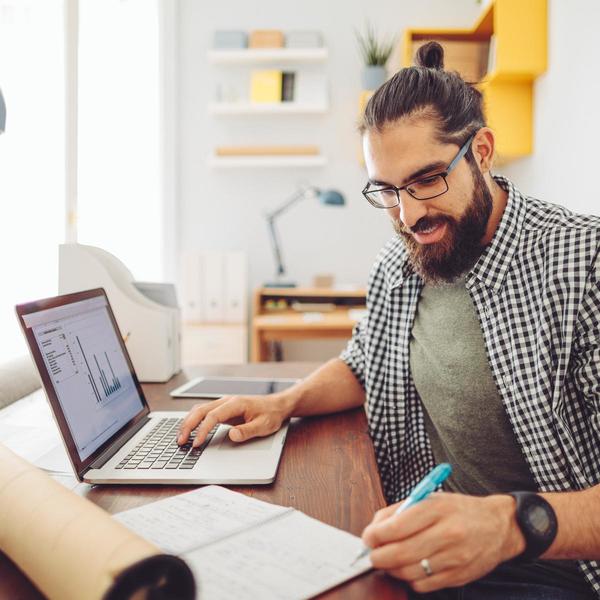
(87, 367)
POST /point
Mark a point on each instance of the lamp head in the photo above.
(2, 113)
(331, 198)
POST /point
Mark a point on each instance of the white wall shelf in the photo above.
(267, 55)
(270, 108)
(266, 161)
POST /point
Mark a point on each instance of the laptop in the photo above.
(109, 431)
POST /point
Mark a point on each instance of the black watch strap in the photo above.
(537, 521)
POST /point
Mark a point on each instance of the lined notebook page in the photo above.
(190, 520)
(240, 547)
(292, 557)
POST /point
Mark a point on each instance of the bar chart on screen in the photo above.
(89, 372)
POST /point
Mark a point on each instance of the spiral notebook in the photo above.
(240, 547)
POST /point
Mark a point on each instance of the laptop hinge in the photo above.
(117, 445)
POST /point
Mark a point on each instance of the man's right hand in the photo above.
(259, 415)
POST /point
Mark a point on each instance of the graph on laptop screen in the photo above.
(88, 370)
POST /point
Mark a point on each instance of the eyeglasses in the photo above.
(426, 188)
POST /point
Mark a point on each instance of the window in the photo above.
(119, 158)
(31, 158)
(119, 180)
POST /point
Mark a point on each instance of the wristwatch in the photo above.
(537, 521)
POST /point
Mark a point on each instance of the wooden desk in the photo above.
(278, 324)
(327, 470)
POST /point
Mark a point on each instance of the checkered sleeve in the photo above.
(586, 359)
(354, 353)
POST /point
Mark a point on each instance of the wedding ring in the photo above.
(426, 567)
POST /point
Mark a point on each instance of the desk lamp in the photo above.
(325, 197)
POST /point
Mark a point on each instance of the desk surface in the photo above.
(327, 470)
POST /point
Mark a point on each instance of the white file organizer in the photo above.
(214, 287)
(152, 330)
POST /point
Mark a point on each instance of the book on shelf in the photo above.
(266, 86)
(287, 86)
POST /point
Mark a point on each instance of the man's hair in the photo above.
(427, 91)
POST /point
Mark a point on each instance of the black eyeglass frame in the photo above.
(463, 150)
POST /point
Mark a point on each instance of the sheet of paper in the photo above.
(28, 429)
(291, 557)
(193, 519)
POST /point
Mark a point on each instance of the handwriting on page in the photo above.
(191, 520)
(290, 557)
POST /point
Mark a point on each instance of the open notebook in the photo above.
(240, 547)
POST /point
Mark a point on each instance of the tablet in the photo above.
(216, 387)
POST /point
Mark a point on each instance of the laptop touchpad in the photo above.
(256, 444)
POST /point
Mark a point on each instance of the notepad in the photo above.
(239, 547)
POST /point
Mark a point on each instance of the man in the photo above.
(481, 347)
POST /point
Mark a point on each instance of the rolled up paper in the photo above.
(71, 549)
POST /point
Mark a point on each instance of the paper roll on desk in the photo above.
(71, 549)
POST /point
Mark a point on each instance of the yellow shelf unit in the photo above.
(516, 32)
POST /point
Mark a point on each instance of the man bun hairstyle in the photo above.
(430, 56)
(426, 90)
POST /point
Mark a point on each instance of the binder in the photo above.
(235, 287)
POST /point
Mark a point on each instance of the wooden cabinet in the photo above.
(303, 314)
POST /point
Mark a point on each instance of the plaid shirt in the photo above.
(536, 290)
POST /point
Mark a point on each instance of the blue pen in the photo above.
(428, 484)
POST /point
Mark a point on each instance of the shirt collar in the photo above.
(492, 265)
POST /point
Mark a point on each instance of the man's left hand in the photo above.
(461, 537)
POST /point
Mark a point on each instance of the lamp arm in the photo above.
(275, 244)
(299, 195)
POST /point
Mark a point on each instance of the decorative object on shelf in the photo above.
(325, 281)
(325, 197)
(266, 86)
(303, 39)
(230, 40)
(375, 55)
(265, 38)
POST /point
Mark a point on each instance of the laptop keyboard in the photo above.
(159, 449)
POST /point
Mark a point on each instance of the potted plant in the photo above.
(375, 55)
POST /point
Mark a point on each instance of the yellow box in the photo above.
(266, 86)
(265, 38)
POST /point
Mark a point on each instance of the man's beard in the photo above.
(460, 247)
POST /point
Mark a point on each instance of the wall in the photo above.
(564, 166)
(222, 209)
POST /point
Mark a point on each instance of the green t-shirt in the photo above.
(465, 418)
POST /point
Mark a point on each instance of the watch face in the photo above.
(538, 518)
